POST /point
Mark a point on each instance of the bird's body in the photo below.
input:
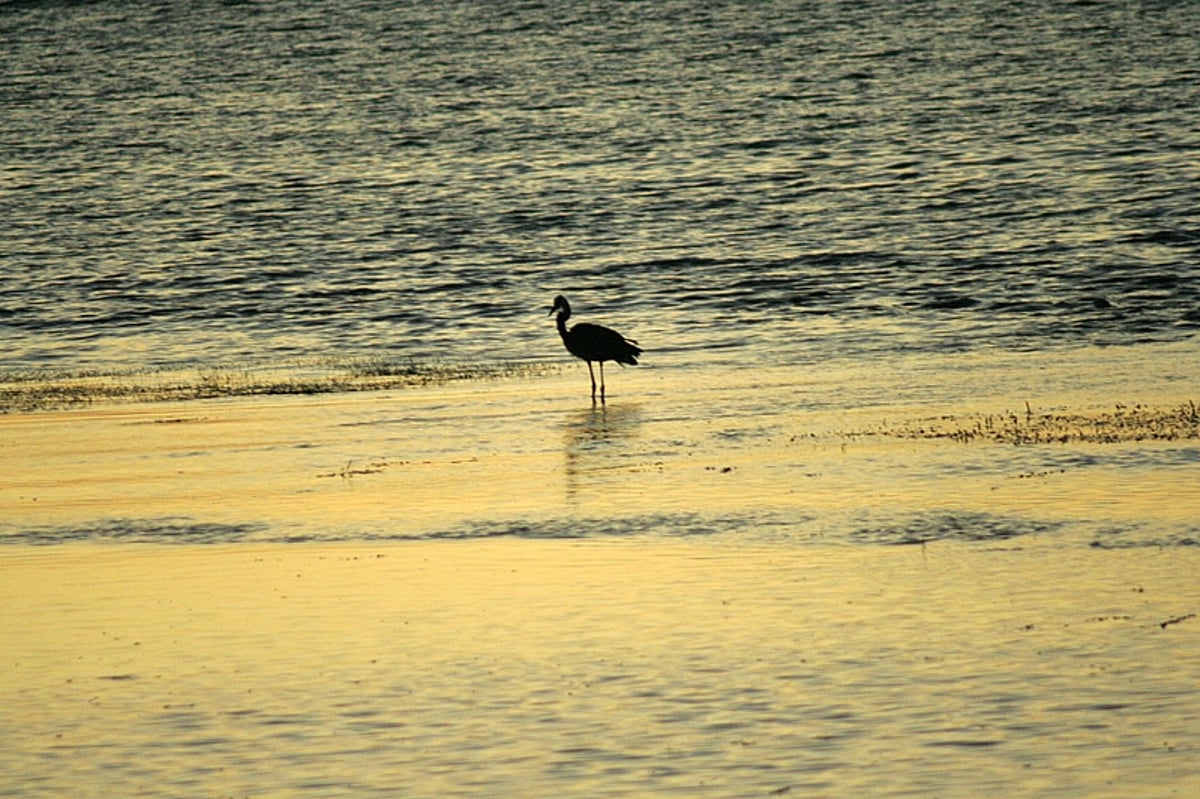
(593, 343)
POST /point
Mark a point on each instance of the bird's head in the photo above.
(560, 305)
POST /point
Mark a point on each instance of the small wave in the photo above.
(1134, 536)
(950, 302)
(170, 530)
(571, 528)
(965, 527)
(1169, 236)
(672, 525)
(950, 526)
(179, 530)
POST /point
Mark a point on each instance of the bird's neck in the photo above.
(561, 319)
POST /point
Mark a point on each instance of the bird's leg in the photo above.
(602, 382)
(593, 376)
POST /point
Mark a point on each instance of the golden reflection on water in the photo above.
(590, 434)
(623, 668)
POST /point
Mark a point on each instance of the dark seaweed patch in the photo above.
(1124, 423)
(51, 390)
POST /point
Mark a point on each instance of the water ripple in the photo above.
(422, 182)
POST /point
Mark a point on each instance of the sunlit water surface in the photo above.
(550, 669)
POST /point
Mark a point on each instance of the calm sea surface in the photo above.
(784, 182)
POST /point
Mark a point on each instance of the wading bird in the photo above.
(594, 343)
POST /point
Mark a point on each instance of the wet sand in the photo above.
(490, 587)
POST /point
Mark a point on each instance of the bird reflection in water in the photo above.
(594, 444)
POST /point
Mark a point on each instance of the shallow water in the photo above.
(624, 668)
(755, 455)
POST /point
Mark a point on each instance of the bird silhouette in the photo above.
(594, 343)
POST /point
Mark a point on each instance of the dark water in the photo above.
(758, 182)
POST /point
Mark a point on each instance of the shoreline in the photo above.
(767, 448)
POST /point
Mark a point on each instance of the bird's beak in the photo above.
(552, 310)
